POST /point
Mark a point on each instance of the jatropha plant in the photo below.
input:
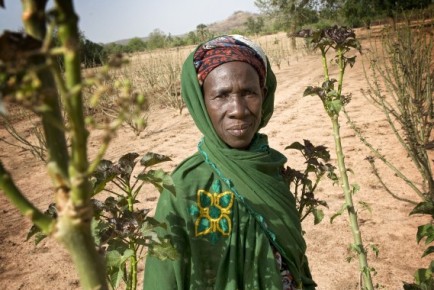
(303, 184)
(341, 40)
(30, 77)
(120, 228)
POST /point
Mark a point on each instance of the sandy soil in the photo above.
(389, 226)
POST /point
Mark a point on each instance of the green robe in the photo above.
(230, 207)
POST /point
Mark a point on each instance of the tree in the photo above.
(136, 44)
(156, 39)
(391, 8)
(202, 32)
(359, 12)
(255, 26)
(287, 11)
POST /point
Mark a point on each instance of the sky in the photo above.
(105, 21)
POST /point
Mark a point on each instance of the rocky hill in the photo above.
(234, 22)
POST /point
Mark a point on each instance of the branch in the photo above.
(44, 222)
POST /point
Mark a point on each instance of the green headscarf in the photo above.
(245, 188)
(253, 175)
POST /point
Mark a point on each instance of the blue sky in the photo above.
(110, 20)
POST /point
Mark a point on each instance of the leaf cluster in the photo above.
(121, 230)
(423, 277)
(342, 40)
(304, 183)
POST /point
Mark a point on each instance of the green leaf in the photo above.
(312, 91)
(318, 215)
(422, 276)
(103, 174)
(425, 207)
(116, 275)
(163, 250)
(150, 225)
(428, 251)
(351, 60)
(375, 249)
(355, 188)
(425, 231)
(335, 106)
(296, 145)
(150, 159)
(127, 163)
(159, 178)
(365, 206)
(343, 208)
(113, 258)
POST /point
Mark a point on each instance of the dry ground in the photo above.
(389, 226)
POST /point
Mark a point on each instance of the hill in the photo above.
(234, 22)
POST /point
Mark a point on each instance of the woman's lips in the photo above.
(239, 130)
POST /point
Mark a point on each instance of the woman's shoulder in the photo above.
(192, 172)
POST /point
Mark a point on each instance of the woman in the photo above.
(233, 219)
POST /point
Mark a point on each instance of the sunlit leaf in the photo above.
(112, 258)
(151, 158)
(355, 188)
(103, 174)
(425, 231)
(343, 208)
(428, 251)
(127, 163)
(116, 275)
(422, 276)
(159, 178)
(375, 249)
(335, 106)
(318, 215)
(425, 207)
(365, 206)
(163, 251)
(150, 224)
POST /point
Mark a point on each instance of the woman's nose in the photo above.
(237, 107)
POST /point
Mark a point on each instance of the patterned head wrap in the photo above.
(229, 48)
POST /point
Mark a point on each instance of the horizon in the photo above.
(139, 18)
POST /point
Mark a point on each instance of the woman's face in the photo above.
(233, 99)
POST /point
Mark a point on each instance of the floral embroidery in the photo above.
(213, 212)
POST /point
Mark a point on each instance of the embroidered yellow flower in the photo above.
(214, 213)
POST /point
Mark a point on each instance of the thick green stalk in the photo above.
(44, 222)
(52, 122)
(74, 232)
(357, 237)
(68, 34)
(344, 182)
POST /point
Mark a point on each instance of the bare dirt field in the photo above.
(389, 226)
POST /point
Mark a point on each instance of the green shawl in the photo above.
(234, 251)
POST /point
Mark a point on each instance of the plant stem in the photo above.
(74, 232)
(34, 22)
(68, 34)
(357, 237)
(44, 222)
(132, 275)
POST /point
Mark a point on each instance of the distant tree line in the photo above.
(276, 15)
